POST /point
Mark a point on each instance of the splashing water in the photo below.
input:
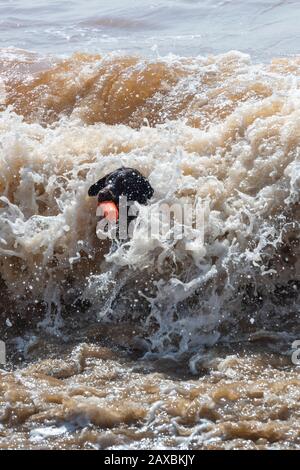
(232, 141)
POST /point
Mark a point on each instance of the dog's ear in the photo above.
(107, 194)
(95, 188)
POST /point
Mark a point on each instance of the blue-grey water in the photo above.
(263, 28)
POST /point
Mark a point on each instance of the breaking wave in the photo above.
(218, 129)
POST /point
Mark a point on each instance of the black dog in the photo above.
(122, 182)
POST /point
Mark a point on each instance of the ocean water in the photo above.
(155, 342)
(264, 29)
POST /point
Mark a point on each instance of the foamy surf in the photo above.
(241, 159)
(216, 129)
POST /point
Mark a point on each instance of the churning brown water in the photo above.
(158, 343)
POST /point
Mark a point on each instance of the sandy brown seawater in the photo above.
(95, 396)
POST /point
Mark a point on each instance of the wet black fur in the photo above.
(122, 182)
